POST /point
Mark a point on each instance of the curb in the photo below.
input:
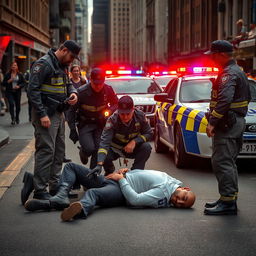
(4, 137)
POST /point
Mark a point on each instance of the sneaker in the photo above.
(70, 212)
(28, 187)
(37, 205)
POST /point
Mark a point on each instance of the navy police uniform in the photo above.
(228, 106)
(48, 88)
(116, 135)
(89, 115)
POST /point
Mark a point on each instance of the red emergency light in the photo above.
(197, 70)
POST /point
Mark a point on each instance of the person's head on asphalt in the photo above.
(221, 51)
(183, 197)
(67, 52)
(125, 108)
(97, 79)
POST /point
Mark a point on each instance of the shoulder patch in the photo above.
(108, 125)
(37, 68)
(225, 78)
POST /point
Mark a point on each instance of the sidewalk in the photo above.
(4, 135)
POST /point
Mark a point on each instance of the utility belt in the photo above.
(83, 120)
(52, 105)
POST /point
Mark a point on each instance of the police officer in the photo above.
(96, 101)
(48, 89)
(228, 106)
(126, 134)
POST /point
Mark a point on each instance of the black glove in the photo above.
(73, 135)
(95, 171)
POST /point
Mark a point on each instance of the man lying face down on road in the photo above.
(140, 188)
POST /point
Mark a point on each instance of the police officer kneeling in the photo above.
(228, 106)
(126, 134)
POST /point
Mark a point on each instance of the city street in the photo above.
(121, 230)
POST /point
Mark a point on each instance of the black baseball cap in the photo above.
(73, 47)
(220, 46)
(98, 76)
(125, 105)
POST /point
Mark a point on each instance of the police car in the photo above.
(142, 89)
(180, 123)
(162, 78)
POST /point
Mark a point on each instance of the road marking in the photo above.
(13, 169)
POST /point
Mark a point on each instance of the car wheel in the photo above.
(159, 146)
(180, 155)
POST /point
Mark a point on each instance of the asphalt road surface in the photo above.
(126, 231)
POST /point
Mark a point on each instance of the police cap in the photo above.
(73, 47)
(98, 76)
(125, 105)
(220, 46)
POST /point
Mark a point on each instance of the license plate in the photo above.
(248, 148)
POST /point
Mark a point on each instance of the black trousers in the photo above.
(14, 102)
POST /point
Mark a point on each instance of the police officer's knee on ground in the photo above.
(126, 134)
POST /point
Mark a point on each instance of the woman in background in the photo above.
(13, 82)
(76, 77)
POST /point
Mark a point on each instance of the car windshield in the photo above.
(195, 91)
(253, 90)
(133, 86)
(163, 81)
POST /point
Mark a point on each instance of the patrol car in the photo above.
(180, 123)
(141, 89)
(163, 78)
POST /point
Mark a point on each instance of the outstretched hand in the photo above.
(115, 176)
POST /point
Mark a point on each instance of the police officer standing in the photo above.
(126, 134)
(96, 101)
(48, 90)
(228, 107)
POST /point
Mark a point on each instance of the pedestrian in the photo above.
(126, 134)
(50, 93)
(228, 106)
(13, 83)
(76, 78)
(137, 188)
(1, 96)
(96, 101)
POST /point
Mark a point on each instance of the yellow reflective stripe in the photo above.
(191, 120)
(203, 124)
(228, 198)
(133, 135)
(122, 139)
(92, 108)
(143, 137)
(239, 104)
(170, 114)
(116, 145)
(52, 88)
(216, 114)
(180, 114)
(102, 150)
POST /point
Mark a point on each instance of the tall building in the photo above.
(119, 31)
(100, 32)
(24, 32)
(138, 33)
(81, 29)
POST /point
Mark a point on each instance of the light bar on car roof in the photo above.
(197, 70)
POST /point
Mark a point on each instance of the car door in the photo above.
(167, 127)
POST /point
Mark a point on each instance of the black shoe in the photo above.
(211, 204)
(73, 211)
(13, 122)
(42, 195)
(222, 208)
(17, 121)
(37, 205)
(83, 156)
(27, 187)
(60, 200)
(66, 160)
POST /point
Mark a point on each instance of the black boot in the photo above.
(37, 205)
(60, 200)
(41, 195)
(211, 204)
(27, 187)
(222, 208)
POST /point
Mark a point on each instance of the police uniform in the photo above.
(116, 135)
(228, 106)
(48, 87)
(89, 115)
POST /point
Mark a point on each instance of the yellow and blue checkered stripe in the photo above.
(191, 122)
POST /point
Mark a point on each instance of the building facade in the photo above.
(119, 31)
(24, 32)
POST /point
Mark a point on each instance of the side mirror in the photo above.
(163, 97)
